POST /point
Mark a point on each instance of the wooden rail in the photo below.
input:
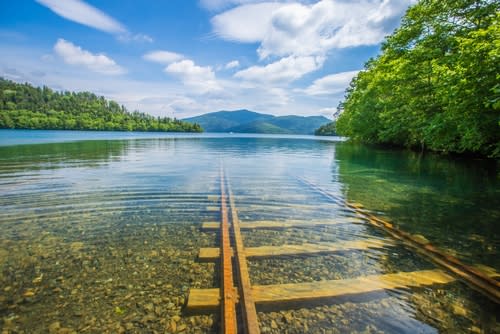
(227, 292)
(246, 295)
(470, 275)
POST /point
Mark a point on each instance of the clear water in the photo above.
(103, 235)
(20, 137)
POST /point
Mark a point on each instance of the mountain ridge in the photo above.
(246, 121)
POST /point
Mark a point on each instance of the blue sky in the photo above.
(181, 58)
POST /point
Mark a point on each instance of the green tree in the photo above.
(23, 106)
(436, 83)
(326, 130)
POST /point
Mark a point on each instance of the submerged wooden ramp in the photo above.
(474, 277)
(237, 299)
(213, 254)
(208, 299)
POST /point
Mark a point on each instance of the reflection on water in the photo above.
(17, 159)
(103, 236)
(455, 203)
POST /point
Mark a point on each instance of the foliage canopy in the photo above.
(23, 106)
(326, 130)
(436, 83)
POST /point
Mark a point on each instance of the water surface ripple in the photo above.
(102, 236)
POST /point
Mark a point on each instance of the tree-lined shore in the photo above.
(23, 106)
(435, 85)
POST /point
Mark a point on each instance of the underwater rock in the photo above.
(76, 246)
(54, 327)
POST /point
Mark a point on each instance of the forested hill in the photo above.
(23, 106)
(246, 121)
(436, 83)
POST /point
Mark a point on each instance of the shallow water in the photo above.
(103, 235)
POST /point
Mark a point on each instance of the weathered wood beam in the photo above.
(213, 254)
(208, 299)
(227, 293)
(278, 225)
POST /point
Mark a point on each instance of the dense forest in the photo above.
(326, 130)
(436, 83)
(23, 106)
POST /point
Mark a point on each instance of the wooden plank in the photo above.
(474, 277)
(284, 293)
(282, 206)
(210, 226)
(213, 198)
(274, 224)
(228, 293)
(313, 291)
(200, 300)
(209, 254)
(249, 312)
(212, 254)
(272, 199)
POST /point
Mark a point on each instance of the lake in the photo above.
(101, 231)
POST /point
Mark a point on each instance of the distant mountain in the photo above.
(259, 127)
(245, 121)
(223, 121)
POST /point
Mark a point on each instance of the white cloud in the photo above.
(247, 23)
(165, 96)
(128, 37)
(328, 112)
(183, 103)
(83, 13)
(284, 29)
(284, 70)
(172, 105)
(199, 78)
(390, 9)
(187, 69)
(163, 57)
(232, 64)
(75, 55)
(331, 84)
(79, 11)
